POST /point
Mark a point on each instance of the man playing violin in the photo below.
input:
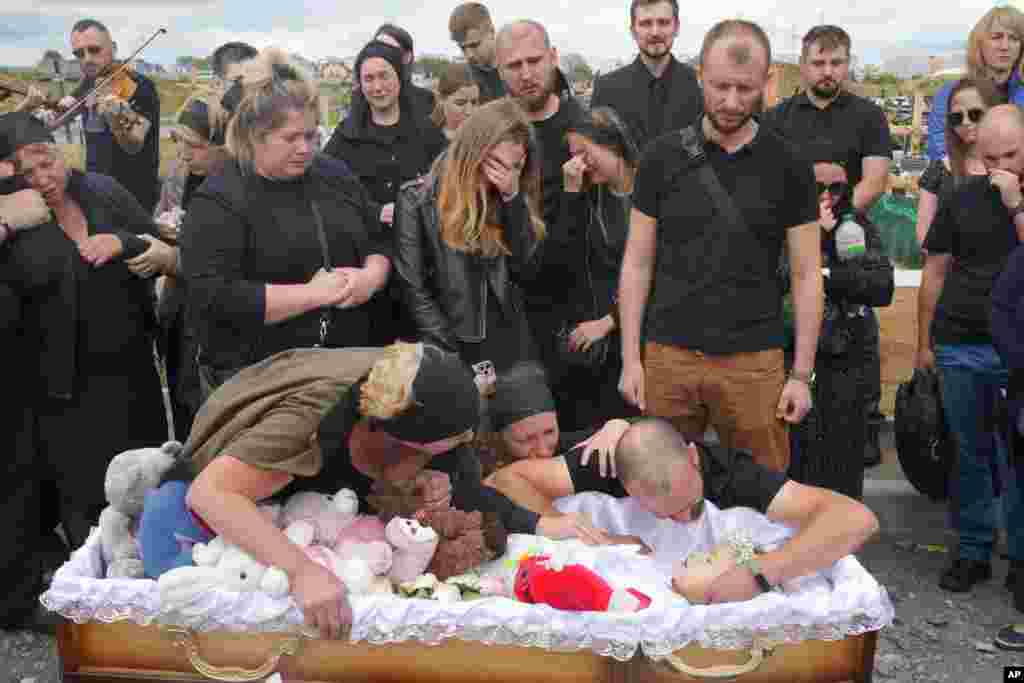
(121, 121)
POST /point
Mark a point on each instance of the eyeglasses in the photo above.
(956, 118)
(834, 189)
(93, 50)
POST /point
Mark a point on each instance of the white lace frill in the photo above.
(841, 602)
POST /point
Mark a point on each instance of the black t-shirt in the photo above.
(556, 253)
(716, 289)
(490, 83)
(973, 227)
(937, 179)
(731, 478)
(851, 128)
(138, 172)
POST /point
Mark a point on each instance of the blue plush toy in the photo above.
(168, 530)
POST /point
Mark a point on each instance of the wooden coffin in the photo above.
(99, 652)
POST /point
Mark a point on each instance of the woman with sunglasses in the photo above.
(828, 446)
(968, 100)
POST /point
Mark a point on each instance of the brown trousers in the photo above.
(736, 393)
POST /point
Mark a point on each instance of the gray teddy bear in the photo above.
(129, 476)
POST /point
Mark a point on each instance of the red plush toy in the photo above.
(573, 587)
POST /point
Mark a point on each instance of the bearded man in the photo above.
(122, 137)
(713, 206)
(854, 133)
(655, 93)
(528, 65)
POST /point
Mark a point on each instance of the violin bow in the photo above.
(73, 109)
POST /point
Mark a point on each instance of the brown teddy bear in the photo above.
(463, 544)
(467, 539)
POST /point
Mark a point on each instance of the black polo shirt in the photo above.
(850, 127)
(973, 226)
(716, 289)
(731, 478)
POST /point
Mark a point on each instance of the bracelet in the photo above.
(802, 377)
(1015, 211)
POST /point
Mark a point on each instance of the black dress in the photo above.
(598, 220)
(99, 392)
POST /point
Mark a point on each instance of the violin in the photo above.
(121, 83)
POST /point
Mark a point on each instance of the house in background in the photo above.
(54, 64)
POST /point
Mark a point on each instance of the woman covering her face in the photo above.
(466, 235)
(598, 182)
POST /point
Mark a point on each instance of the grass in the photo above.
(74, 156)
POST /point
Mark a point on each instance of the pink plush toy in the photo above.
(327, 515)
(364, 529)
(414, 546)
(377, 555)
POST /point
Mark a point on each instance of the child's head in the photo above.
(694, 576)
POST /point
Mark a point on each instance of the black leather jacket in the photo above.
(446, 290)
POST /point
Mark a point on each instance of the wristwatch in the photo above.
(754, 566)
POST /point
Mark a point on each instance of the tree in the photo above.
(431, 67)
(582, 72)
(576, 67)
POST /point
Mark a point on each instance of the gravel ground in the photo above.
(28, 658)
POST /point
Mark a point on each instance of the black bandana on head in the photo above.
(521, 392)
(446, 401)
(18, 129)
(376, 48)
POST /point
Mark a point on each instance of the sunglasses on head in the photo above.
(834, 189)
(92, 50)
(956, 118)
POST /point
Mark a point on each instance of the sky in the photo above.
(597, 29)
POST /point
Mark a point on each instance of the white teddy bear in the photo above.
(219, 565)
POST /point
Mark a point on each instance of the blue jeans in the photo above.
(972, 376)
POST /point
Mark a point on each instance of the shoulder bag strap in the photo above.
(694, 148)
(318, 219)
